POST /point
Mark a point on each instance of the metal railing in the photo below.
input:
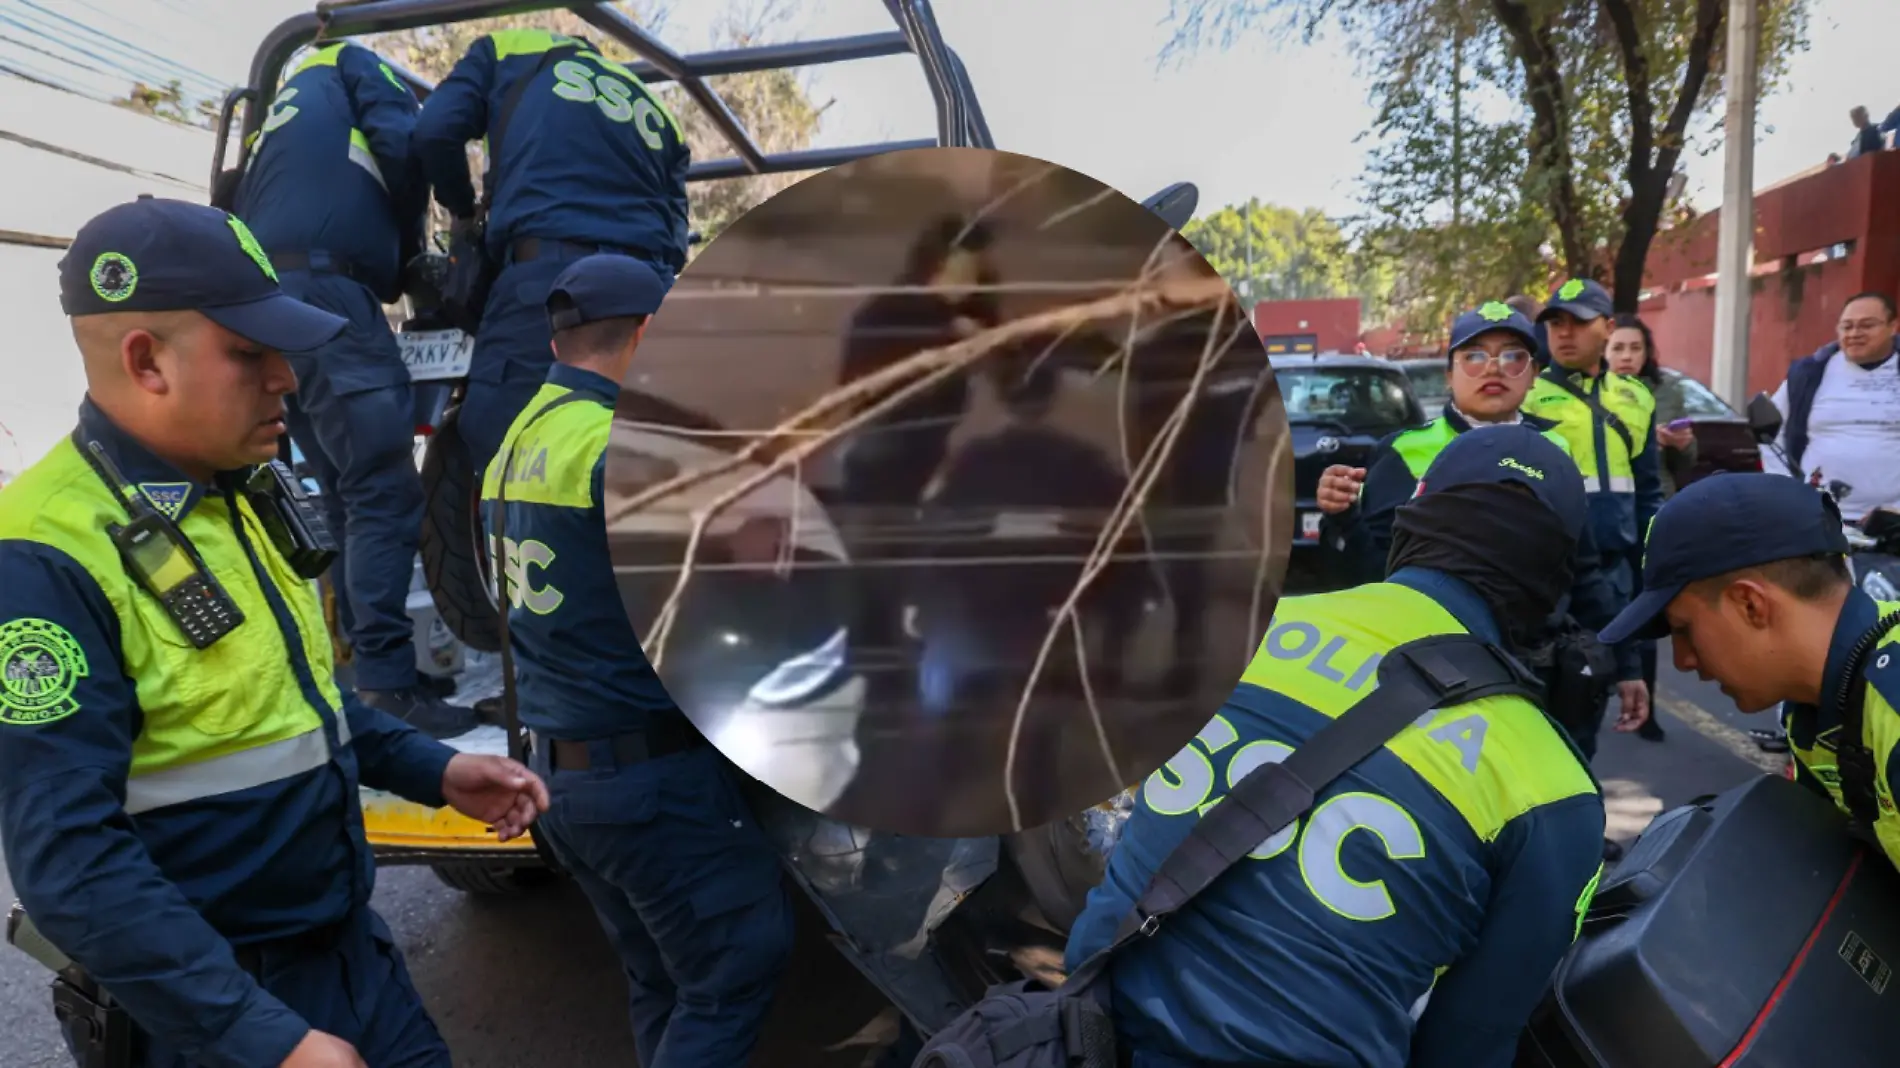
(960, 119)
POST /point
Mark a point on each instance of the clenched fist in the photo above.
(1339, 487)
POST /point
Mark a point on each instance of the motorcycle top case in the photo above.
(1746, 932)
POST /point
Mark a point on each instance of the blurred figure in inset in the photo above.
(888, 462)
(1010, 524)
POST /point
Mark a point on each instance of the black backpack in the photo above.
(1027, 1025)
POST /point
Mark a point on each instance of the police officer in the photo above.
(179, 774)
(587, 160)
(334, 197)
(1748, 575)
(644, 813)
(1607, 418)
(1428, 939)
(1490, 366)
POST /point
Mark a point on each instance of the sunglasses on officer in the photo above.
(1472, 360)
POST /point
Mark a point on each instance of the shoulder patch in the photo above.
(41, 664)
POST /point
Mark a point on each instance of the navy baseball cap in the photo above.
(605, 286)
(1580, 297)
(1724, 523)
(1514, 453)
(1493, 315)
(158, 255)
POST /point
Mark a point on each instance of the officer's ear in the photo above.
(1752, 599)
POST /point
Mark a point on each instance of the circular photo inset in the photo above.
(949, 492)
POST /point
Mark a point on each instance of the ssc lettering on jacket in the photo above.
(517, 558)
(1185, 783)
(616, 99)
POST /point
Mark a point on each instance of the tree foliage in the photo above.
(772, 105)
(1269, 252)
(1571, 175)
(170, 102)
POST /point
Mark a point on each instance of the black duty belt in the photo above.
(663, 738)
(533, 248)
(318, 262)
(251, 957)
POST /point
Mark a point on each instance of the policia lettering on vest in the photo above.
(179, 772)
(645, 815)
(1412, 916)
(1747, 575)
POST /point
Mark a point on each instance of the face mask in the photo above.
(1496, 538)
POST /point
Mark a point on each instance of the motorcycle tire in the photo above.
(453, 562)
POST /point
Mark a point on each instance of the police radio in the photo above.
(292, 519)
(163, 561)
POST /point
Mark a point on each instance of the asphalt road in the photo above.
(530, 982)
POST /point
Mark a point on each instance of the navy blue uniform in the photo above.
(1361, 539)
(685, 884)
(593, 162)
(333, 195)
(146, 858)
(1424, 941)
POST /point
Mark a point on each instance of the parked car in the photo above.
(1723, 441)
(1338, 408)
(1427, 375)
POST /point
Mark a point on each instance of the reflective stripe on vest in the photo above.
(241, 770)
(1493, 760)
(1418, 448)
(1598, 450)
(361, 155)
(1881, 733)
(228, 717)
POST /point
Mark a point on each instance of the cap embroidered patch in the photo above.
(248, 242)
(1495, 311)
(1571, 290)
(114, 276)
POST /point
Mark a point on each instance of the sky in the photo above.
(1077, 82)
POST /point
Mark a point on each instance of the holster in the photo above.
(1580, 672)
(466, 281)
(98, 1030)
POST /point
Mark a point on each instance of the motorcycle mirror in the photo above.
(1175, 204)
(1764, 419)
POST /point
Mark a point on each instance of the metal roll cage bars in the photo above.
(960, 120)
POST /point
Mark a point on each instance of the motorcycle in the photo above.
(1744, 930)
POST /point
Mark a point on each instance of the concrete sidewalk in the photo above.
(1702, 754)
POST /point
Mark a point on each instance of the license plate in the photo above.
(1309, 526)
(433, 355)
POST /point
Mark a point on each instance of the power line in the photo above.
(188, 72)
(99, 64)
(184, 74)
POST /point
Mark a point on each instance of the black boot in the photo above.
(422, 708)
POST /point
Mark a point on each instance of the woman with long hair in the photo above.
(1632, 351)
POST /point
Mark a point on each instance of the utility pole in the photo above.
(1735, 251)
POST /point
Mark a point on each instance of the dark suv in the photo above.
(1338, 408)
